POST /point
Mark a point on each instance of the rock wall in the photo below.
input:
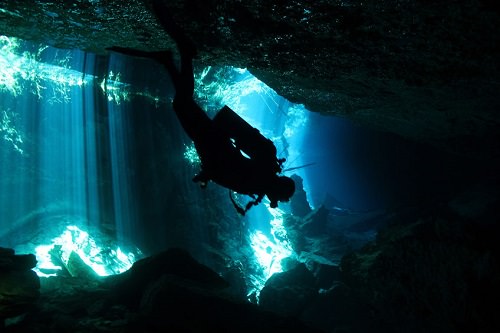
(425, 71)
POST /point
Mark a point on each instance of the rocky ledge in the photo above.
(428, 72)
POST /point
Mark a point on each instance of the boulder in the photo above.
(288, 293)
(19, 285)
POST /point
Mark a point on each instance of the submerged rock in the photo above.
(299, 204)
(19, 285)
(169, 291)
(439, 273)
(289, 293)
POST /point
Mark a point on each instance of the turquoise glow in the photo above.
(47, 75)
(62, 154)
(103, 260)
(73, 137)
(277, 119)
(269, 251)
(8, 130)
(191, 155)
(31, 72)
(219, 86)
(24, 71)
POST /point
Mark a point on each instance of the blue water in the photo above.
(92, 141)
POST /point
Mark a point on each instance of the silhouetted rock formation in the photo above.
(169, 291)
(438, 273)
(19, 285)
(298, 203)
(288, 293)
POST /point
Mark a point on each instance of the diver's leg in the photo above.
(195, 121)
(185, 79)
(184, 44)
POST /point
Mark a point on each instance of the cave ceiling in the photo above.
(427, 71)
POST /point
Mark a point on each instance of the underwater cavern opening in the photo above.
(96, 174)
(72, 144)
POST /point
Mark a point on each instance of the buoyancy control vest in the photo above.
(248, 139)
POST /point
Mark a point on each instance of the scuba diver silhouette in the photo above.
(220, 141)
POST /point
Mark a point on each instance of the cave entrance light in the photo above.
(277, 119)
(54, 151)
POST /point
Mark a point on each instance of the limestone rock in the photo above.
(19, 285)
(437, 274)
(288, 293)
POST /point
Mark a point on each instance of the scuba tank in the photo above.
(248, 139)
